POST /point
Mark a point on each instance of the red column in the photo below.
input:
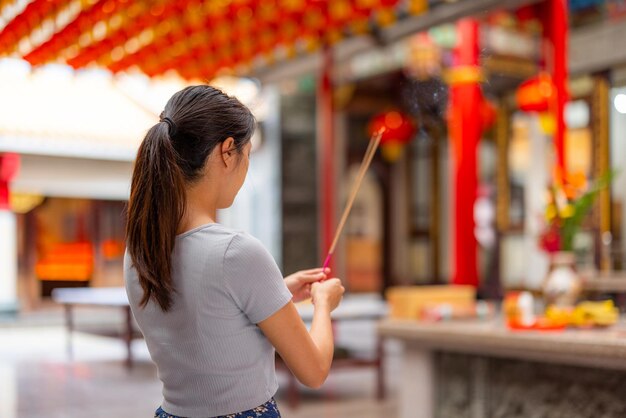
(556, 32)
(326, 154)
(465, 127)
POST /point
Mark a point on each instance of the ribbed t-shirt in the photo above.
(210, 355)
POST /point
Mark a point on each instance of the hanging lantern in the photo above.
(340, 11)
(536, 94)
(417, 7)
(386, 17)
(9, 167)
(360, 25)
(399, 129)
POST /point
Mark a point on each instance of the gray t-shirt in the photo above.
(211, 356)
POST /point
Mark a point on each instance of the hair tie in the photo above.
(171, 126)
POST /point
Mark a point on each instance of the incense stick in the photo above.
(367, 159)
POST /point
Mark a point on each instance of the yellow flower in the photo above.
(550, 212)
(567, 211)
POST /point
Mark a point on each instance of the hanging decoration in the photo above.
(538, 95)
(78, 34)
(399, 129)
(198, 39)
(9, 167)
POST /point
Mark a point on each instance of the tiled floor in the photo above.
(37, 379)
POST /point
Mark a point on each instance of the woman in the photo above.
(210, 301)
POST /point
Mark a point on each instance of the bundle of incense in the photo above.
(367, 159)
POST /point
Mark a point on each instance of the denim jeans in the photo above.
(268, 410)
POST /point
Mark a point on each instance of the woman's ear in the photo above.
(227, 148)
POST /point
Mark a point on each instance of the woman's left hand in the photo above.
(299, 283)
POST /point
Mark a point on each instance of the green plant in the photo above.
(569, 203)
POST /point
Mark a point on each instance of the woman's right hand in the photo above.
(328, 293)
(307, 353)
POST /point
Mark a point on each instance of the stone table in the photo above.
(481, 369)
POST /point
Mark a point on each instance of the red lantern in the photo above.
(399, 129)
(536, 94)
(9, 166)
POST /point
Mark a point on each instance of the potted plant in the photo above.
(569, 202)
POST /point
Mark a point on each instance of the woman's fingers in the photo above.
(312, 275)
(311, 278)
(316, 270)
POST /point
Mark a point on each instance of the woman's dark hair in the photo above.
(172, 154)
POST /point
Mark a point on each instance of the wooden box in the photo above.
(407, 302)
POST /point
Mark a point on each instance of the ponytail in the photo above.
(156, 207)
(172, 155)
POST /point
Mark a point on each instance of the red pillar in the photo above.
(556, 27)
(326, 154)
(465, 128)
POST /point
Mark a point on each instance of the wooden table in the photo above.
(114, 297)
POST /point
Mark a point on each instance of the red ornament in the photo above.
(398, 126)
(537, 94)
(399, 129)
(9, 166)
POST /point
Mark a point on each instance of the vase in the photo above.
(562, 285)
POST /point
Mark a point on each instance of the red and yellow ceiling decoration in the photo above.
(197, 39)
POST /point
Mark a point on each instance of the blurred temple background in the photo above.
(485, 255)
